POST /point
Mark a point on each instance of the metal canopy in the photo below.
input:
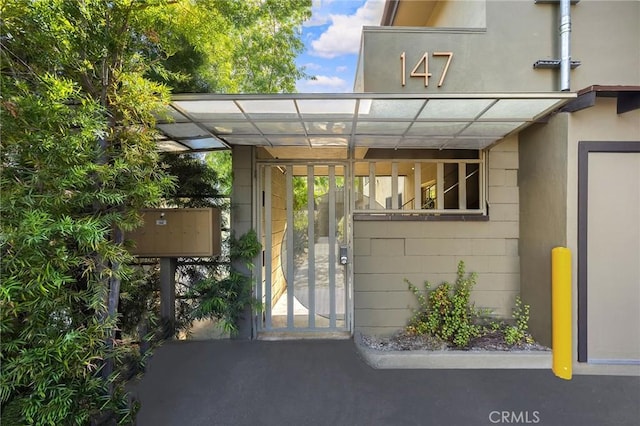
(204, 122)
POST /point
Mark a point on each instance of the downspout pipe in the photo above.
(565, 45)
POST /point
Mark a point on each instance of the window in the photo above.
(432, 186)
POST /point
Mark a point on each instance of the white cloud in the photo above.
(311, 66)
(318, 14)
(343, 35)
(341, 68)
(323, 80)
(316, 20)
(324, 84)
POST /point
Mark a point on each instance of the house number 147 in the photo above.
(421, 69)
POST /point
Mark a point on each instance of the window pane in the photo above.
(451, 186)
(473, 186)
(416, 185)
(428, 178)
(361, 185)
(383, 185)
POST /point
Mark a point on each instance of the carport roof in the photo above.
(204, 122)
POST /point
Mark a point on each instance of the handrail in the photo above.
(445, 191)
(410, 201)
(457, 183)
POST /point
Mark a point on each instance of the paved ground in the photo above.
(326, 383)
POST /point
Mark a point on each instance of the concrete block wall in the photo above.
(242, 190)
(242, 215)
(387, 252)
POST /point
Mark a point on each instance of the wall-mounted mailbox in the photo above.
(178, 233)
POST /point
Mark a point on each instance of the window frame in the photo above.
(418, 187)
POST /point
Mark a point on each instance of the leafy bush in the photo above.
(225, 298)
(446, 311)
(78, 160)
(519, 333)
(57, 258)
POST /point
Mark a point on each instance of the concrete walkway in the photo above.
(326, 383)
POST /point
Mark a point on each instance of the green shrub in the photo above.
(225, 298)
(519, 333)
(446, 311)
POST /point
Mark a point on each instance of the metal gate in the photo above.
(304, 227)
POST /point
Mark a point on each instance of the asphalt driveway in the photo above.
(224, 382)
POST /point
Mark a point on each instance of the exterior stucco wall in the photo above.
(496, 59)
(543, 221)
(598, 123)
(548, 180)
(471, 68)
(387, 252)
(605, 37)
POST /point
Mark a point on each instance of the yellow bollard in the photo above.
(561, 340)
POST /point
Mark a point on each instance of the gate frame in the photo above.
(347, 164)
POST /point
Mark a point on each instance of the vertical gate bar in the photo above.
(394, 185)
(349, 202)
(417, 196)
(290, 248)
(346, 240)
(372, 185)
(462, 186)
(268, 255)
(440, 186)
(482, 171)
(311, 258)
(332, 247)
(260, 230)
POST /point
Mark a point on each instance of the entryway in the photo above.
(304, 229)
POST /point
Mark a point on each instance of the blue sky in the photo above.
(332, 43)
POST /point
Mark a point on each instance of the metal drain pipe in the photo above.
(565, 45)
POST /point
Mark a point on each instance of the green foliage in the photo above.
(446, 312)
(300, 209)
(232, 46)
(220, 161)
(198, 184)
(225, 296)
(246, 248)
(204, 287)
(52, 289)
(141, 329)
(138, 301)
(78, 161)
(267, 38)
(519, 333)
